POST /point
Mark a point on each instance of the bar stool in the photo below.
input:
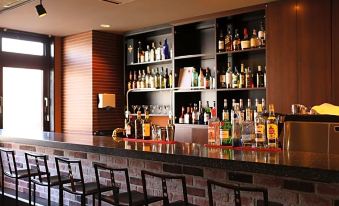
(237, 189)
(15, 173)
(76, 186)
(128, 198)
(43, 177)
(164, 197)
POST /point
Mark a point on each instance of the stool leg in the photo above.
(49, 195)
(29, 191)
(16, 191)
(3, 187)
(99, 199)
(93, 200)
(61, 196)
(83, 200)
(34, 191)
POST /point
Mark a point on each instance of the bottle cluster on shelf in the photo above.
(203, 79)
(157, 78)
(140, 128)
(196, 113)
(152, 52)
(230, 40)
(246, 127)
(246, 78)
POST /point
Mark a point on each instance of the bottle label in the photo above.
(206, 117)
(222, 79)
(261, 34)
(224, 134)
(147, 130)
(221, 45)
(128, 130)
(272, 131)
(181, 120)
(228, 78)
(260, 129)
(186, 119)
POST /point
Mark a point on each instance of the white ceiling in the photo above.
(66, 17)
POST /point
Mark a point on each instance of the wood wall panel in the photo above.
(282, 76)
(58, 84)
(77, 83)
(314, 51)
(335, 52)
(107, 71)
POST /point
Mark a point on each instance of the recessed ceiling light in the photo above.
(105, 25)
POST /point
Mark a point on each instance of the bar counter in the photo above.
(298, 173)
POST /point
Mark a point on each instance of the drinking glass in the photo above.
(134, 108)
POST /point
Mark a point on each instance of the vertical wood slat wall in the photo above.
(335, 52)
(93, 64)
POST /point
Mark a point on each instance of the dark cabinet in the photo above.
(299, 53)
(335, 52)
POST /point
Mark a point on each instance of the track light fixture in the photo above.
(41, 10)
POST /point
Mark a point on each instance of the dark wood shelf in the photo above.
(149, 90)
(207, 56)
(240, 89)
(154, 62)
(242, 51)
(152, 115)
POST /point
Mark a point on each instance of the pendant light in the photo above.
(41, 11)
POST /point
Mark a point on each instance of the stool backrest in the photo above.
(236, 189)
(101, 167)
(163, 178)
(9, 155)
(38, 162)
(70, 172)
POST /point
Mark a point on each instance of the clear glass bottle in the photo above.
(213, 128)
(249, 110)
(187, 116)
(232, 109)
(236, 127)
(272, 128)
(138, 126)
(225, 113)
(158, 52)
(235, 78)
(242, 109)
(147, 54)
(242, 80)
(182, 116)
(261, 35)
(248, 128)
(229, 75)
(152, 53)
(128, 125)
(146, 127)
(201, 79)
(260, 132)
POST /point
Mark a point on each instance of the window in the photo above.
(22, 46)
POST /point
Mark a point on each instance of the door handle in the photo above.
(46, 109)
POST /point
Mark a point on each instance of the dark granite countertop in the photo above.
(302, 165)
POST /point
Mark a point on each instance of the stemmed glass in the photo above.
(166, 109)
(159, 108)
(139, 107)
(145, 107)
(134, 108)
(152, 108)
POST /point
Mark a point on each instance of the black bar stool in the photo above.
(76, 186)
(15, 173)
(43, 177)
(237, 189)
(164, 197)
(128, 198)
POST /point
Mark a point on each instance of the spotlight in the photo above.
(41, 10)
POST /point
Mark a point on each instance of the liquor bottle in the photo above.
(147, 78)
(221, 42)
(194, 78)
(213, 128)
(139, 51)
(236, 127)
(166, 50)
(225, 113)
(147, 54)
(152, 80)
(138, 126)
(260, 132)
(236, 41)
(170, 79)
(161, 78)
(255, 112)
(241, 109)
(272, 128)
(207, 78)
(254, 42)
(260, 78)
(262, 35)
(201, 113)
(235, 78)
(195, 114)
(152, 53)
(187, 116)
(128, 125)
(158, 52)
(201, 78)
(245, 43)
(232, 110)
(207, 113)
(225, 128)
(146, 127)
(167, 79)
(249, 78)
(242, 80)
(229, 39)
(142, 79)
(139, 79)
(263, 105)
(170, 129)
(130, 80)
(182, 116)
(135, 78)
(157, 79)
(249, 110)
(222, 78)
(229, 75)
(247, 129)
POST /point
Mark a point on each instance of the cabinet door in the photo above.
(282, 79)
(335, 52)
(314, 51)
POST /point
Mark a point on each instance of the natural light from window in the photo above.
(22, 99)
(22, 46)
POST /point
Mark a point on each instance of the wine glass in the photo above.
(145, 107)
(134, 108)
(152, 108)
(166, 109)
(139, 107)
(159, 107)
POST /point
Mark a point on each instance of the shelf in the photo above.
(149, 63)
(193, 90)
(152, 115)
(240, 89)
(207, 56)
(149, 90)
(242, 51)
(203, 126)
